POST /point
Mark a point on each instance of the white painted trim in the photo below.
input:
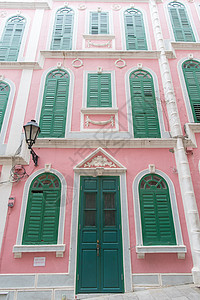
(137, 213)
(18, 247)
(26, 4)
(7, 113)
(146, 28)
(164, 133)
(70, 97)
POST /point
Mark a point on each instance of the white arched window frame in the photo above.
(25, 34)
(180, 248)
(70, 97)
(164, 133)
(59, 248)
(146, 28)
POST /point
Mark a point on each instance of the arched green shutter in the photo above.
(134, 30)
(4, 94)
(54, 107)
(99, 90)
(191, 71)
(144, 109)
(63, 29)
(180, 22)
(99, 23)
(43, 208)
(156, 213)
(11, 38)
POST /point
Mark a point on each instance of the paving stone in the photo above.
(180, 298)
(144, 295)
(159, 294)
(172, 292)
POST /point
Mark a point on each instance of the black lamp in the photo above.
(32, 130)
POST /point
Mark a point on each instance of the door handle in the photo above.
(98, 247)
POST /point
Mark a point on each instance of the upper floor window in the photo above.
(55, 102)
(144, 108)
(156, 213)
(99, 90)
(180, 22)
(63, 29)
(191, 71)
(99, 23)
(134, 30)
(42, 212)
(4, 94)
(11, 39)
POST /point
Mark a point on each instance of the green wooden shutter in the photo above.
(4, 94)
(11, 38)
(42, 214)
(134, 30)
(99, 23)
(180, 22)
(156, 214)
(144, 109)
(191, 71)
(55, 101)
(99, 90)
(63, 30)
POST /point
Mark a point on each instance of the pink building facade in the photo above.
(114, 201)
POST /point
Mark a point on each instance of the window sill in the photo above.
(99, 110)
(19, 249)
(180, 250)
(185, 45)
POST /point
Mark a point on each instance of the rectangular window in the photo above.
(99, 23)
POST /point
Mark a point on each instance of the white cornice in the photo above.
(98, 36)
(185, 45)
(26, 4)
(107, 1)
(20, 65)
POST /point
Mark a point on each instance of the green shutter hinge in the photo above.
(79, 226)
(122, 277)
(81, 187)
(77, 276)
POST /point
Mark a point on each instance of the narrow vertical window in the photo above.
(99, 90)
(99, 23)
(191, 71)
(180, 23)
(63, 29)
(43, 208)
(156, 214)
(55, 102)
(134, 30)
(11, 39)
(144, 108)
(4, 94)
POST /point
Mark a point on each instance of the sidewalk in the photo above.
(181, 292)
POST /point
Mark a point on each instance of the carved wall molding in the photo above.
(82, 7)
(99, 161)
(120, 63)
(107, 44)
(116, 7)
(101, 123)
(74, 63)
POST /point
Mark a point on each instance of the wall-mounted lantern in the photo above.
(32, 130)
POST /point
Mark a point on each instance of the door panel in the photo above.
(99, 255)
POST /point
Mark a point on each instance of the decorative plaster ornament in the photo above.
(2, 77)
(88, 120)
(80, 63)
(99, 9)
(139, 66)
(99, 70)
(108, 44)
(152, 168)
(132, 5)
(116, 7)
(82, 7)
(120, 63)
(190, 56)
(19, 12)
(47, 167)
(66, 4)
(59, 65)
(99, 161)
(3, 13)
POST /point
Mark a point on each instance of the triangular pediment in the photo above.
(100, 160)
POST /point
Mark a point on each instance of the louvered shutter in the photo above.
(99, 90)
(156, 217)
(144, 109)
(33, 221)
(63, 30)
(192, 78)
(54, 108)
(99, 23)
(50, 217)
(4, 94)
(180, 23)
(11, 39)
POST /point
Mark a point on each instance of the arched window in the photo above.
(156, 214)
(63, 29)
(134, 30)
(11, 39)
(144, 109)
(54, 107)
(4, 94)
(42, 213)
(191, 71)
(180, 22)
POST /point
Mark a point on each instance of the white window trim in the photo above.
(59, 248)
(146, 28)
(140, 248)
(163, 132)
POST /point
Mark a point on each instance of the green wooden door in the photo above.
(99, 261)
